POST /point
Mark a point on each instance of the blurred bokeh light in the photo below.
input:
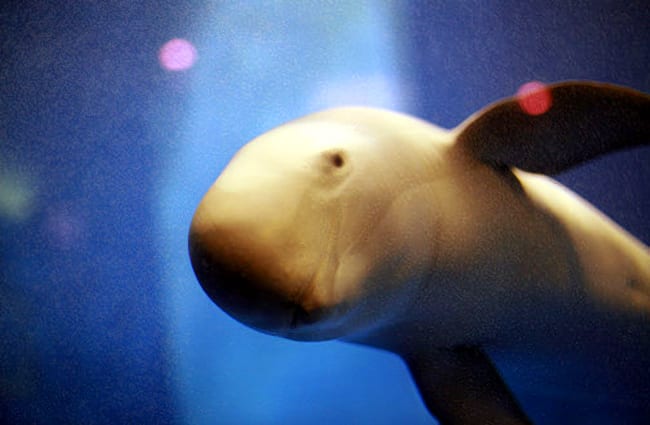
(534, 98)
(177, 55)
(17, 195)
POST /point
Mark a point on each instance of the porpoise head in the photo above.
(291, 238)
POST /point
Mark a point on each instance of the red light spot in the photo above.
(534, 98)
(177, 55)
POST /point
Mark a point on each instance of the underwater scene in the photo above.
(117, 118)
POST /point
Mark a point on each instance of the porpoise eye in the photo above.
(336, 159)
(334, 163)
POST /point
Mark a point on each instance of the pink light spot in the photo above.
(177, 55)
(64, 227)
(534, 98)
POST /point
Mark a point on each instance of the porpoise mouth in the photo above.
(250, 289)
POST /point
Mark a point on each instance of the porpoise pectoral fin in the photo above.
(583, 120)
(462, 386)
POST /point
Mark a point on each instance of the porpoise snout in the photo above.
(234, 278)
(244, 273)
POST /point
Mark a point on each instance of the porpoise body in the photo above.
(445, 247)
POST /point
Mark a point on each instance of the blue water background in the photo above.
(104, 154)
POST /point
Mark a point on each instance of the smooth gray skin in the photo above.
(380, 229)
